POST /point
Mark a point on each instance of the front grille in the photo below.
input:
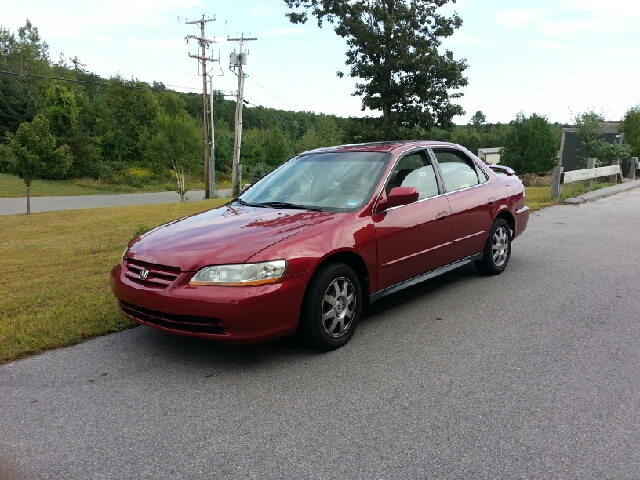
(159, 277)
(180, 323)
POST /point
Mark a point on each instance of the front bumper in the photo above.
(227, 314)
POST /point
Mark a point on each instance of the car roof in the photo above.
(388, 146)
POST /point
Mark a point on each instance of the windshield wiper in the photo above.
(288, 205)
(247, 204)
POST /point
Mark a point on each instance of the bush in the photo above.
(530, 145)
(134, 176)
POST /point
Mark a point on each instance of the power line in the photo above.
(17, 74)
(273, 95)
(135, 66)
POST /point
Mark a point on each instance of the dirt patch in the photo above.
(536, 179)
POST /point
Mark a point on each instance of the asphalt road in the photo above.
(13, 206)
(533, 374)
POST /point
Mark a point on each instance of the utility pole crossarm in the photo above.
(204, 59)
(195, 22)
(202, 39)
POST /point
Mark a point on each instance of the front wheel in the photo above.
(331, 308)
(497, 250)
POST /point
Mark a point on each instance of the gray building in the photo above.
(490, 156)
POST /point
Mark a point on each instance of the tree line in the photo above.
(58, 120)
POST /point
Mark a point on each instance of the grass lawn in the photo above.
(54, 290)
(12, 186)
(539, 197)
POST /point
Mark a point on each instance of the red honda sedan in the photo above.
(309, 244)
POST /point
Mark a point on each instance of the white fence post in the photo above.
(613, 179)
(591, 163)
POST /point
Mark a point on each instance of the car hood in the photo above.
(230, 234)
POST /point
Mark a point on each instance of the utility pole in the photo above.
(238, 60)
(212, 161)
(204, 43)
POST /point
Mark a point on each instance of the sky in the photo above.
(556, 58)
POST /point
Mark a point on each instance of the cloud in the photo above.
(572, 17)
(161, 5)
(463, 38)
(284, 31)
(164, 45)
(263, 10)
(519, 18)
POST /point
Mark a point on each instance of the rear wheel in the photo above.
(497, 250)
(331, 307)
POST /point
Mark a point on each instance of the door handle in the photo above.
(441, 216)
(491, 201)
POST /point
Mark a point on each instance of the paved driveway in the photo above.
(12, 206)
(528, 375)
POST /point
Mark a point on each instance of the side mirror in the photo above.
(246, 187)
(398, 196)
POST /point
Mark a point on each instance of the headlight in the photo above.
(123, 253)
(241, 274)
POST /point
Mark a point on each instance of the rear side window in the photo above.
(458, 171)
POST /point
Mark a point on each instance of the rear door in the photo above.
(413, 239)
(471, 199)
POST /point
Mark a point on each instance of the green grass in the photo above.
(540, 197)
(12, 186)
(54, 289)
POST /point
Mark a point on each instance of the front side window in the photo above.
(458, 172)
(415, 171)
(333, 181)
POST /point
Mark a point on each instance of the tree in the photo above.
(592, 140)
(126, 118)
(394, 50)
(176, 146)
(6, 159)
(478, 121)
(224, 140)
(61, 110)
(530, 145)
(36, 153)
(631, 128)
(276, 148)
(21, 97)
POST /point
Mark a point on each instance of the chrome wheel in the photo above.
(500, 246)
(338, 307)
(497, 249)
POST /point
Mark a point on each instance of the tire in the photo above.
(331, 307)
(497, 250)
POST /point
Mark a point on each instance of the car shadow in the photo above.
(153, 343)
(416, 293)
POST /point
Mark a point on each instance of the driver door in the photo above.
(413, 239)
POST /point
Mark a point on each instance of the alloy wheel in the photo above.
(500, 246)
(338, 307)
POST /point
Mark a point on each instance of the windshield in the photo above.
(338, 181)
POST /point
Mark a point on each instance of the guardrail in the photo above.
(588, 174)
